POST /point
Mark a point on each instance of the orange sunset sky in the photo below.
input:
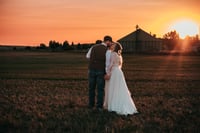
(31, 22)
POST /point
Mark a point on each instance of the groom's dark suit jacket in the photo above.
(98, 57)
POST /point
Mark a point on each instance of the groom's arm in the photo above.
(88, 53)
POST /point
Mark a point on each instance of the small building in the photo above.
(140, 41)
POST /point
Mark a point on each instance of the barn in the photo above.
(140, 41)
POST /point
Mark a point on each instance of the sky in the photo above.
(31, 22)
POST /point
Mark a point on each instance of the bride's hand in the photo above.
(107, 77)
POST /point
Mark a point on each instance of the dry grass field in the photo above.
(48, 92)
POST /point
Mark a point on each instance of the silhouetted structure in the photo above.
(140, 41)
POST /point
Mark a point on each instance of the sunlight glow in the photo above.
(185, 28)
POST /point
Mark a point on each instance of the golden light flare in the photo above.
(185, 27)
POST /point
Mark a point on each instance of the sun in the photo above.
(185, 28)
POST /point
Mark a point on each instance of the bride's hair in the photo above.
(118, 48)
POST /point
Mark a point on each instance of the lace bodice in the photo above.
(115, 61)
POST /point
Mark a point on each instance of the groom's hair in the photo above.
(107, 38)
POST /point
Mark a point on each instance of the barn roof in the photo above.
(141, 36)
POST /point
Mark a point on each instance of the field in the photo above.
(48, 92)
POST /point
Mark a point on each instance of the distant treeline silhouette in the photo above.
(57, 46)
(172, 41)
(66, 46)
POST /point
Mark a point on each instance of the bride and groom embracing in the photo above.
(105, 62)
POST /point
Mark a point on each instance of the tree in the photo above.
(65, 44)
(79, 46)
(173, 35)
(42, 46)
(72, 46)
(54, 44)
(171, 39)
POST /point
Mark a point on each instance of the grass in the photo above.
(48, 92)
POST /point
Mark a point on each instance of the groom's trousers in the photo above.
(96, 79)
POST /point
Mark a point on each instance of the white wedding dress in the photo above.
(118, 96)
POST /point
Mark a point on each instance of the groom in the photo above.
(97, 59)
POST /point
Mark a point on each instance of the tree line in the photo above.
(173, 41)
(55, 45)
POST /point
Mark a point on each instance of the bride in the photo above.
(118, 96)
